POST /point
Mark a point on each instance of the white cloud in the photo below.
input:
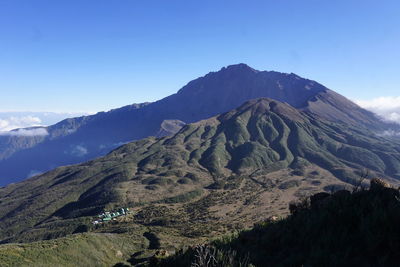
(394, 116)
(13, 122)
(390, 133)
(26, 132)
(77, 151)
(387, 107)
(381, 103)
(18, 119)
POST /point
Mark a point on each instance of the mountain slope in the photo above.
(80, 139)
(238, 161)
(340, 229)
(75, 250)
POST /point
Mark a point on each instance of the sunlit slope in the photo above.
(74, 250)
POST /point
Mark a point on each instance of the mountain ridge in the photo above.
(84, 138)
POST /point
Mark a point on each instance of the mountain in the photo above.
(211, 177)
(79, 139)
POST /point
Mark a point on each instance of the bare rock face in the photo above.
(378, 184)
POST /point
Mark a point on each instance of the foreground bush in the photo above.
(360, 228)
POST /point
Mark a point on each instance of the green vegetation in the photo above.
(340, 229)
(79, 249)
(183, 197)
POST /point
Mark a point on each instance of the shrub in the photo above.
(83, 228)
(346, 228)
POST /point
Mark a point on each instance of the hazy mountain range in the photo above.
(35, 150)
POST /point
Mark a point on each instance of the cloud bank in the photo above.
(13, 122)
(387, 107)
(389, 133)
(10, 120)
(26, 132)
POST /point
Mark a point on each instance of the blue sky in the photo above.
(74, 56)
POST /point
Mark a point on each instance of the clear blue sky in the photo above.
(92, 55)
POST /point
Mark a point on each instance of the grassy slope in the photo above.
(74, 250)
(359, 229)
(237, 163)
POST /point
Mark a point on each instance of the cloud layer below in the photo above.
(26, 132)
(13, 122)
(388, 107)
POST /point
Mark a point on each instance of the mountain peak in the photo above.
(240, 67)
(235, 84)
